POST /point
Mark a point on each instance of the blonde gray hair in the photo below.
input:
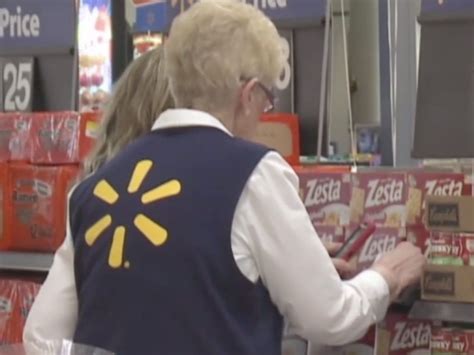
(140, 96)
(215, 45)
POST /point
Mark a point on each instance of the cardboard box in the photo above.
(326, 196)
(62, 137)
(280, 131)
(335, 234)
(399, 335)
(38, 205)
(425, 183)
(450, 214)
(379, 197)
(448, 283)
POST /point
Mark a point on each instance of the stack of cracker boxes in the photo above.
(40, 155)
(394, 200)
(449, 276)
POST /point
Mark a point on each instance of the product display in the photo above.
(14, 136)
(423, 183)
(345, 131)
(47, 137)
(16, 299)
(62, 137)
(36, 206)
(383, 240)
(379, 198)
(449, 276)
(398, 335)
(326, 196)
(452, 341)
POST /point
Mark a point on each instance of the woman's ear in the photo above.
(246, 96)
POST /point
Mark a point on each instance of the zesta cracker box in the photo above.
(382, 241)
(423, 183)
(326, 196)
(379, 198)
(398, 335)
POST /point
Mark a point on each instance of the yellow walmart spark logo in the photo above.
(151, 230)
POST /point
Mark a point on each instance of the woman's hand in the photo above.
(344, 268)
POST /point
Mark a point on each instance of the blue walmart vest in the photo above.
(155, 273)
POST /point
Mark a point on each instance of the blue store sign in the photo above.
(36, 24)
(157, 17)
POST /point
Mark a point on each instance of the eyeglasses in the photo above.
(268, 93)
(270, 97)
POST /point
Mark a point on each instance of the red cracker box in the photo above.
(419, 236)
(398, 335)
(448, 341)
(441, 341)
(326, 196)
(38, 205)
(5, 207)
(14, 142)
(16, 299)
(379, 198)
(383, 240)
(424, 183)
(463, 249)
(334, 234)
(62, 137)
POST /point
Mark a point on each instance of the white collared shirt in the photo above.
(272, 239)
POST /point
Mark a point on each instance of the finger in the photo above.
(332, 247)
(343, 267)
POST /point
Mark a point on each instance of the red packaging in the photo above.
(9, 316)
(463, 248)
(379, 198)
(16, 298)
(382, 241)
(420, 237)
(326, 196)
(441, 248)
(38, 206)
(14, 142)
(5, 207)
(62, 137)
(399, 335)
(441, 341)
(422, 184)
(334, 234)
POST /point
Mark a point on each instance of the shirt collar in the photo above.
(186, 118)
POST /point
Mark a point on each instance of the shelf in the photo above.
(443, 311)
(15, 261)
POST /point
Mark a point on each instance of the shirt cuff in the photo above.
(376, 290)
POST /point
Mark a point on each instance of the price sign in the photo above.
(16, 83)
(284, 86)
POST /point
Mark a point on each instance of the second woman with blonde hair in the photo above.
(140, 96)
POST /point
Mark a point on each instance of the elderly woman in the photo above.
(193, 240)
